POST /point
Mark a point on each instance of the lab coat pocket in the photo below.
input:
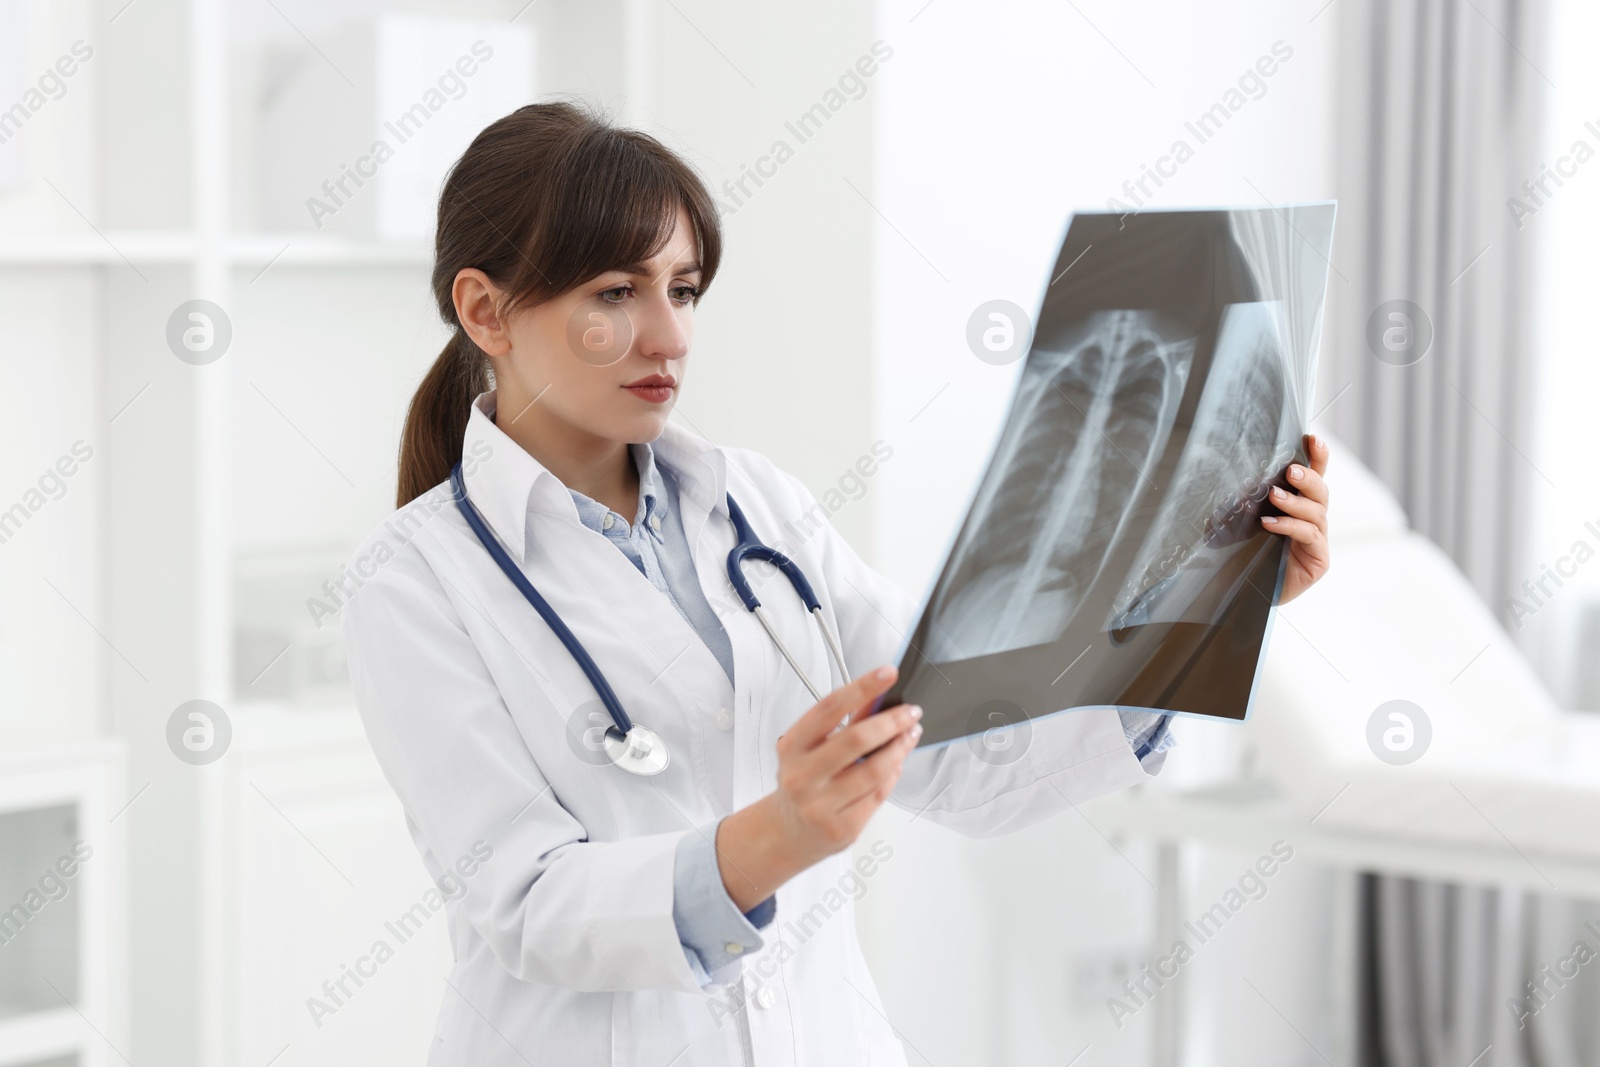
(653, 1027)
(884, 1049)
(440, 1048)
(877, 1040)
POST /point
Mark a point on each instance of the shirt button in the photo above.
(608, 522)
(733, 948)
(655, 523)
(765, 997)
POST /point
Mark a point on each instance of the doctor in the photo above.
(649, 811)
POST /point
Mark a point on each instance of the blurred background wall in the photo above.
(167, 511)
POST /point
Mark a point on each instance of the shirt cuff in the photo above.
(1149, 735)
(715, 934)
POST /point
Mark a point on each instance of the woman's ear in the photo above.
(478, 308)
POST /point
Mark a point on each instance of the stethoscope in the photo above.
(629, 745)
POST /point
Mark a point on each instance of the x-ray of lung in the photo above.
(1106, 390)
(1112, 554)
(1242, 436)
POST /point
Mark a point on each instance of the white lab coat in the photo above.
(565, 949)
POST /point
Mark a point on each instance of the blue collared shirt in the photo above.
(714, 933)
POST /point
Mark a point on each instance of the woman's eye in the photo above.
(681, 294)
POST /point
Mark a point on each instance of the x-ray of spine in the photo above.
(1243, 434)
(1094, 409)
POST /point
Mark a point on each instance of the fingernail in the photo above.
(915, 712)
(1279, 494)
(883, 674)
(1296, 472)
(916, 732)
(1270, 520)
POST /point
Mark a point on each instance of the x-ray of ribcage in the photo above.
(1095, 410)
(1112, 554)
(1241, 437)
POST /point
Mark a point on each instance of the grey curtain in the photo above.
(1441, 107)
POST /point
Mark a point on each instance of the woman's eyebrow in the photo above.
(644, 269)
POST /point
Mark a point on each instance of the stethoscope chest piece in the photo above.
(639, 752)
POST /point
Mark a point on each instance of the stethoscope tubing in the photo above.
(749, 546)
(591, 670)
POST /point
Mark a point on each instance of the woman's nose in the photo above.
(661, 331)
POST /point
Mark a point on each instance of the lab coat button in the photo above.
(724, 720)
(765, 997)
(733, 948)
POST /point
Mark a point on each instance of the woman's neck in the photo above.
(599, 468)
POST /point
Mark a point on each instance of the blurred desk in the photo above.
(1249, 816)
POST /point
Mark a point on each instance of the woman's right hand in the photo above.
(826, 790)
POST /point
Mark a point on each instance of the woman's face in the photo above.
(607, 358)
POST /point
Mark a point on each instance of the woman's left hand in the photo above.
(1304, 520)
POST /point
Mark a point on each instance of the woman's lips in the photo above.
(654, 394)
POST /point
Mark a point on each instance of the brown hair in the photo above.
(541, 201)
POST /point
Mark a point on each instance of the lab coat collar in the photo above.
(700, 466)
(505, 482)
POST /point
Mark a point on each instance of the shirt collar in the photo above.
(652, 496)
(505, 482)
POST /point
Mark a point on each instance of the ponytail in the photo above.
(542, 201)
(437, 419)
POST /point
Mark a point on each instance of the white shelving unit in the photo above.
(211, 849)
(60, 922)
(182, 249)
(248, 877)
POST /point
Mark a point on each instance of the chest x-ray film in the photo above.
(1112, 554)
